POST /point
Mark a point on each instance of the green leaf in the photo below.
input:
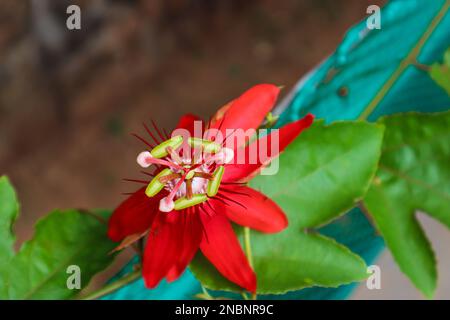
(440, 73)
(62, 239)
(321, 175)
(9, 209)
(290, 260)
(414, 174)
(324, 172)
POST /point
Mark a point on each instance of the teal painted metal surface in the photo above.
(350, 83)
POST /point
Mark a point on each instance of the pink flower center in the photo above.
(191, 171)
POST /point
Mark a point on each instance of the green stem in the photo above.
(113, 286)
(248, 253)
(369, 217)
(247, 246)
(411, 58)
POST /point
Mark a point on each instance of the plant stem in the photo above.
(248, 253)
(368, 216)
(422, 66)
(247, 246)
(113, 286)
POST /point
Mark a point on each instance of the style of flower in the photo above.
(193, 196)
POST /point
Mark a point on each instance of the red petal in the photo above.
(191, 236)
(246, 170)
(134, 215)
(221, 247)
(187, 122)
(170, 247)
(251, 208)
(249, 110)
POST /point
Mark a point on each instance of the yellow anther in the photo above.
(214, 184)
(207, 146)
(155, 186)
(183, 203)
(160, 151)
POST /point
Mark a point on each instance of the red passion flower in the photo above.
(193, 195)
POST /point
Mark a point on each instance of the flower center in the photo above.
(191, 171)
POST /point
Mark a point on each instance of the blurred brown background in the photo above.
(70, 99)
